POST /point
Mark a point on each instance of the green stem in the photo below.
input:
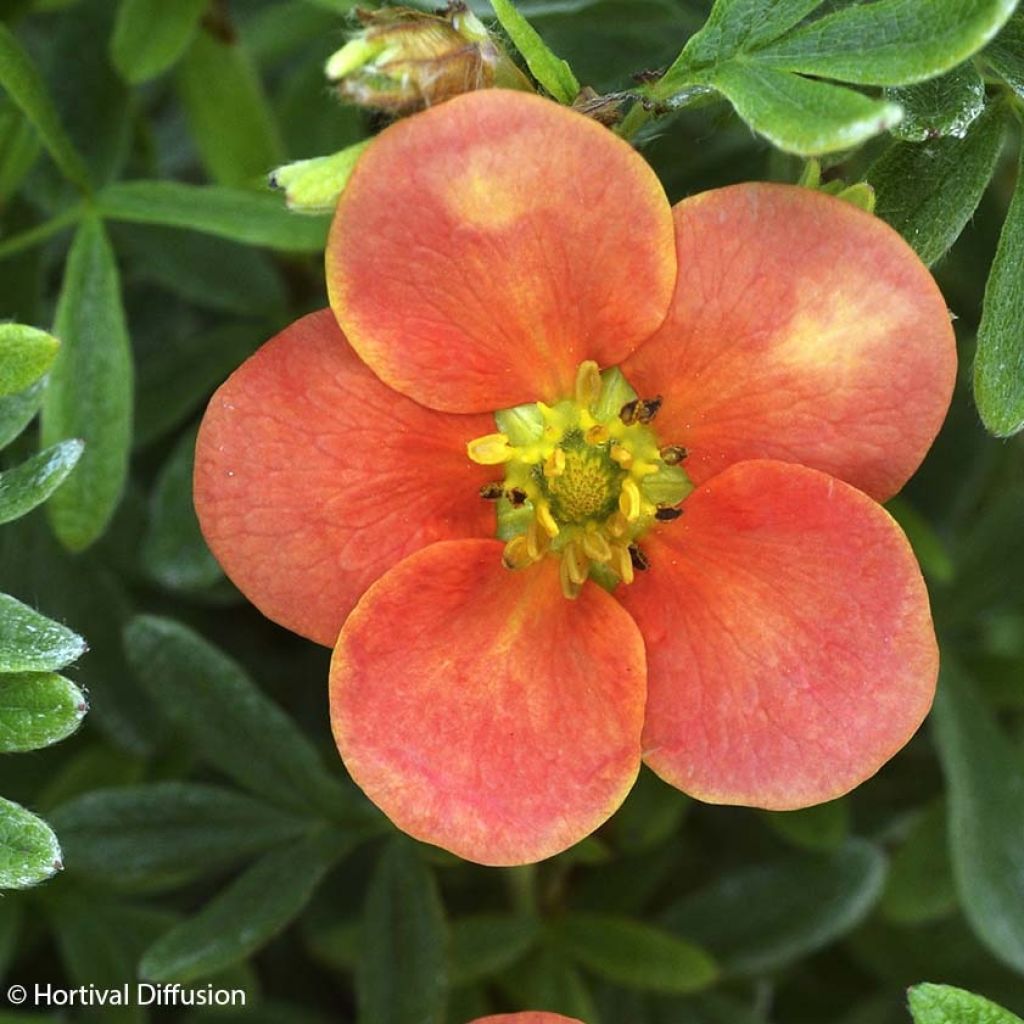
(522, 889)
(41, 232)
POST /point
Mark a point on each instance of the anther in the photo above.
(622, 455)
(667, 513)
(640, 561)
(555, 463)
(597, 434)
(516, 497)
(588, 384)
(569, 588)
(576, 564)
(490, 450)
(516, 554)
(492, 491)
(640, 410)
(622, 563)
(536, 540)
(629, 501)
(596, 547)
(546, 519)
(617, 524)
(673, 454)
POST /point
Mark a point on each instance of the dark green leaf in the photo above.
(985, 776)
(823, 827)
(26, 353)
(799, 115)
(250, 217)
(629, 952)
(29, 852)
(23, 84)
(90, 391)
(484, 944)
(16, 412)
(929, 546)
(232, 724)
(999, 365)
(546, 980)
(552, 72)
(652, 813)
(31, 483)
(940, 106)
(37, 709)
(762, 918)
(19, 148)
(920, 885)
(30, 642)
(1006, 54)
(227, 111)
(174, 552)
(928, 191)
(889, 42)
(244, 917)
(402, 975)
(166, 830)
(149, 36)
(943, 1004)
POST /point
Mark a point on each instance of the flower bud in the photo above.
(404, 60)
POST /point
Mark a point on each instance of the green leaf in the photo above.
(29, 851)
(19, 149)
(37, 709)
(940, 106)
(552, 72)
(920, 885)
(26, 353)
(233, 725)
(1005, 54)
(90, 389)
(889, 42)
(250, 912)
(402, 977)
(629, 952)
(943, 1004)
(929, 546)
(651, 814)
(30, 484)
(823, 827)
(999, 364)
(23, 84)
(173, 550)
(249, 217)
(149, 35)
(30, 642)
(227, 111)
(762, 918)
(162, 831)
(16, 411)
(928, 191)
(985, 778)
(799, 115)
(484, 944)
(546, 980)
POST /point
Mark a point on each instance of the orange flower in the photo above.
(766, 642)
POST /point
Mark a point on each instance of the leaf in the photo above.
(985, 779)
(23, 84)
(149, 36)
(928, 191)
(999, 363)
(1005, 54)
(823, 827)
(16, 412)
(547, 981)
(90, 390)
(940, 106)
(30, 642)
(246, 915)
(19, 149)
(651, 814)
(37, 709)
(231, 122)
(402, 976)
(629, 952)
(133, 835)
(30, 484)
(889, 42)
(232, 724)
(762, 918)
(249, 217)
(552, 72)
(920, 885)
(29, 851)
(26, 353)
(484, 944)
(799, 115)
(943, 1004)
(173, 551)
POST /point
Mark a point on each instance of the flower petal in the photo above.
(802, 329)
(789, 640)
(534, 1017)
(312, 478)
(486, 247)
(481, 710)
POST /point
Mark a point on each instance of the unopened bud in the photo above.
(313, 186)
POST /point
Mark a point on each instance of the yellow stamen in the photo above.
(617, 525)
(536, 540)
(597, 434)
(588, 384)
(596, 547)
(576, 564)
(622, 563)
(623, 456)
(629, 501)
(516, 554)
(490, 450)
(570, 589)
(555, 464)
(546, 519)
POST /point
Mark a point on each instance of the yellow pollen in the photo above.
(629, 501)
(490, 450)
(555, 464)
(597, 434)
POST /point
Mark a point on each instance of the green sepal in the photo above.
(313, 186)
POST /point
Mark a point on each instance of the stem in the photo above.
(522, 889)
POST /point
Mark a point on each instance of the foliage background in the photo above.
(208, 831)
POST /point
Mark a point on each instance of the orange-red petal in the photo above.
(789, 640)
(312, 478)
(481, 710)
(484, 248)
(802, 329)
(532, 1017)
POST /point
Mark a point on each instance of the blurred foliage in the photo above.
(210, 834)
